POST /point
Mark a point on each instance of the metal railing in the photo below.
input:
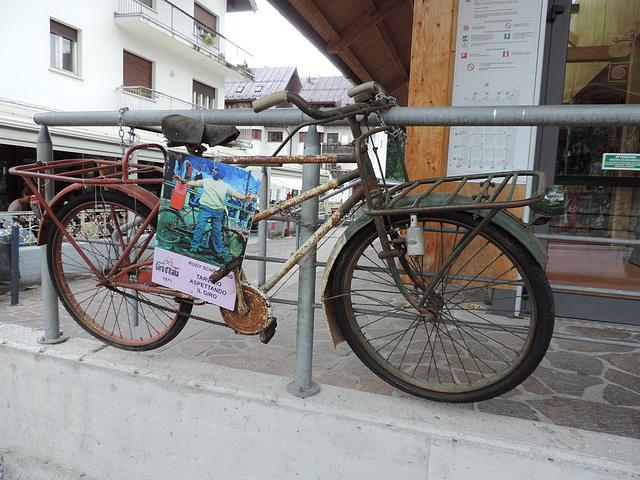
(180, 24)
(143, 98)
(609, 115)
(27, 223)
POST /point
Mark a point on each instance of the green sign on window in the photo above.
(621, 161)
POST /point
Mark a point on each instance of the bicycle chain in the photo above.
(168, 309)
(295, 217)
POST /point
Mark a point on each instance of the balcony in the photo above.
(172, 28)
(142, 98)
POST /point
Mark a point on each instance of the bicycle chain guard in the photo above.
(258, 319)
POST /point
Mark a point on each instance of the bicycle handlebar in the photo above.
(285, 96)
(269, 101)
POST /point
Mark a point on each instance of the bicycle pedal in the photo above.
(267, 334)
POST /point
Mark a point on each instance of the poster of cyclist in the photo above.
(204, 222)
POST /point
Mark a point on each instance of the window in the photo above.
(204, 96)
(137, 74)
(274, 136)
(239, 89)
(64, 47)
(332, 138)
(250, 134)
(302, 135)
(205, 24)
(259, 88)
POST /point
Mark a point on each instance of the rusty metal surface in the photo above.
(283, 159)
(320, 189)
(258, 317)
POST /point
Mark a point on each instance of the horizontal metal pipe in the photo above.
(580, 239)
(515, 115)
(607, 115)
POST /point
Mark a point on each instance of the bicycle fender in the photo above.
(145, 196)
(503, 219)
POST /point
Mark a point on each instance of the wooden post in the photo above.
(432, 55)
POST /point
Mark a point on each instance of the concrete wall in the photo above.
(82, 409)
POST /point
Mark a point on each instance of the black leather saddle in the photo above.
(184, 131)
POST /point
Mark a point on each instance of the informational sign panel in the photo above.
(621, 161)
(203, 223)
(499, 50)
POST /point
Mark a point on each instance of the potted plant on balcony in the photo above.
(207, 37)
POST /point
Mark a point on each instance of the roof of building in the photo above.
(367, 40)
(267, 80)
(326, 90)
(316, 90)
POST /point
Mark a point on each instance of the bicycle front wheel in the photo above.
(483, 328)
(171, 226)
(123, 317)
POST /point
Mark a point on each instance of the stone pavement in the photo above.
(589, 379)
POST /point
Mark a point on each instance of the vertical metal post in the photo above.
(15, 264)
(262, 226)
(52, 333)
(302, 386)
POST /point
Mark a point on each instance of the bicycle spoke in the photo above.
(103, 229)
(465, 338)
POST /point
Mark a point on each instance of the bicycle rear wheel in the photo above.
(481, 332)
(125, 318)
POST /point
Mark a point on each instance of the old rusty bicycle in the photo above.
(436, 287)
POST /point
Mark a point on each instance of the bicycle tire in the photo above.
(468, 347)
(169, 226)
(111, 314)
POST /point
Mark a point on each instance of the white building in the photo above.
(68, 55)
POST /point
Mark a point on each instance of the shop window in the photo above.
(64, 47)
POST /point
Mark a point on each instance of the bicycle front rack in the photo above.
(495, 191)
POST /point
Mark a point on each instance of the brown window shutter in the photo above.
(64, 31)
(204, 17)
(137, 71)
(204, 89)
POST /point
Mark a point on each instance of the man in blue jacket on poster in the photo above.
(212, 208)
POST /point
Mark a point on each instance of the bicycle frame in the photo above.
(447, 320)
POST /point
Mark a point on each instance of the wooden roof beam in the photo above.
(393, 53)
(361, 25)
(309, 11)
(316, 18)
(370, 6)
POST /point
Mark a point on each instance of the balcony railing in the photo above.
(143, 98)
(336, 149)
(181, 25)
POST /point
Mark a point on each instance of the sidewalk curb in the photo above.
(153, 415)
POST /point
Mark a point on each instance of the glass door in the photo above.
(602, 206)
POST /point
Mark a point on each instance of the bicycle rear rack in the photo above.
(490, 188)
(92, 171)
